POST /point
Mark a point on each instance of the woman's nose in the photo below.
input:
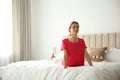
(76, 28)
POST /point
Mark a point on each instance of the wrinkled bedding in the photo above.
(48, 70)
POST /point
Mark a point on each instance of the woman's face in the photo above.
(74, 29)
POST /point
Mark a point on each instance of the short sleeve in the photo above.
(84, 45)
(63, 45)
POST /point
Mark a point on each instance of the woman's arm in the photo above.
(88, 58)
(65, 58)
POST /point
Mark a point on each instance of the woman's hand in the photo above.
(88, 58)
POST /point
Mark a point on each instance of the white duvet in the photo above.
(47, 70)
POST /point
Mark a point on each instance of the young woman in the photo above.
(74, 48)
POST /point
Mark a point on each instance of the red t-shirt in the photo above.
(75, 51)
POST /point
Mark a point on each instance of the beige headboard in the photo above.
(110, 40)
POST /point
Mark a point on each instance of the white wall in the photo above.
(51, 18)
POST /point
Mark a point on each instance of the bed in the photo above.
(106, 66)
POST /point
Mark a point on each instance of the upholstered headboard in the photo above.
(110, 40)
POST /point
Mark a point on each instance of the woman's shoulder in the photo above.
(65, 39)
(81, 39)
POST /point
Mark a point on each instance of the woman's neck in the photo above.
(73, 38)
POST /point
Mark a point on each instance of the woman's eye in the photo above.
(75, 27)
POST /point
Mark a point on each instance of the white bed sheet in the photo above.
(47, 70)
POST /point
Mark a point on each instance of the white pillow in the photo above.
(58, 58)
(113, 55)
